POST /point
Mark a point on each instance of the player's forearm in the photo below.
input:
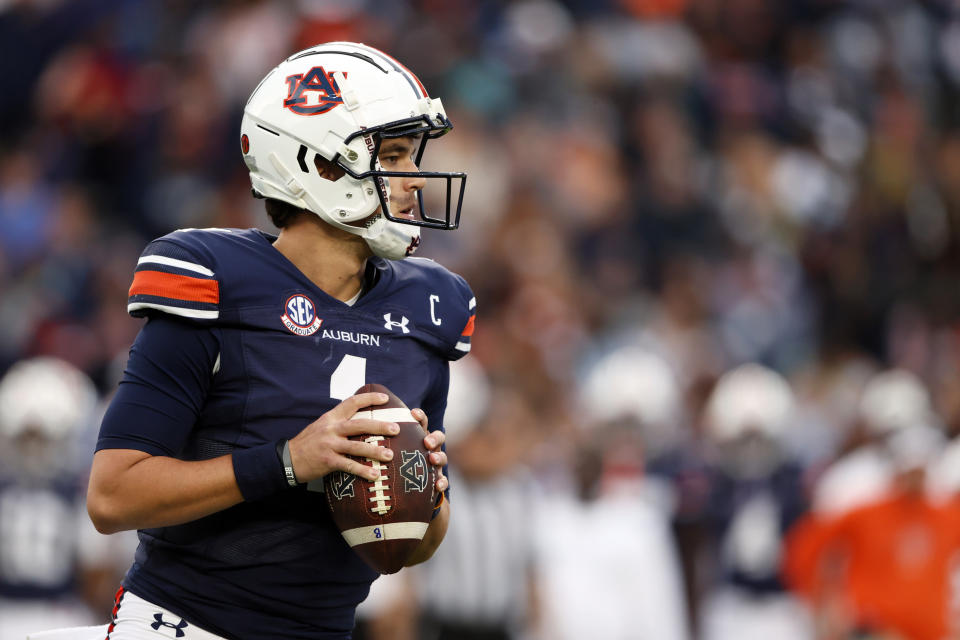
(433, 537)
(134, 490)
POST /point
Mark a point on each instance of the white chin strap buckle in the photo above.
(291, 184)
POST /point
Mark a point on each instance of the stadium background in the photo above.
(713, 182)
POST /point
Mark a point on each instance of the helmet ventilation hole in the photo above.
(301, 155)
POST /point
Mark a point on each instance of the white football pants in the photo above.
(134, 619)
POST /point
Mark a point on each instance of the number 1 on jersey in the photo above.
(350, 375)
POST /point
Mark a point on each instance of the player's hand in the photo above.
(325, 444)
(433, 442)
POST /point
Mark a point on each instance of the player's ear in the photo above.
(327, 169)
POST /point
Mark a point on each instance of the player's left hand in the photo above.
(433, 442)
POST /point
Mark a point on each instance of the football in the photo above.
(385, 520)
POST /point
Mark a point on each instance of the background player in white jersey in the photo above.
(254, 346)
(45, 404)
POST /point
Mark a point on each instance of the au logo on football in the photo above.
(413, 470)
(342, 485)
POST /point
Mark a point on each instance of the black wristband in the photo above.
(259, 472)
(283, 452)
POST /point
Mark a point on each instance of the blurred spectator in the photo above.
(891, 402)
(943, 473)
(389, 611)
(25, 204)
(479, 585)
(886, 568)
(828, 391)
(756, 494)
(606, 562)
(44, 404)
(633, 384)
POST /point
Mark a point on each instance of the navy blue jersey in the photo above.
(241, 350)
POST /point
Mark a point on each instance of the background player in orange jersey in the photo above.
(885, 568)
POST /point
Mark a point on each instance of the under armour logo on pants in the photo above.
(179, 627)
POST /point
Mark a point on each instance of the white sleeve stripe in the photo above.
(463, 346)
(473, 304)
(173, 262)
(177, 311)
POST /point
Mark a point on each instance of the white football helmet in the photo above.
(47, 395)
(632, 383)
(750, 397)
(894, 400)
(341, 100)
(747, 418)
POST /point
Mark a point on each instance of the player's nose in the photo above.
(413, 183)
(416, 184)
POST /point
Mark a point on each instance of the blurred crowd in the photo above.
(715, 383)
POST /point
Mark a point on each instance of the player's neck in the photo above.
(332, 259)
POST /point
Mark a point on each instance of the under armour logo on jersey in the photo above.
(316, 83)
(160, 622)
(391, 324)
(413, 470)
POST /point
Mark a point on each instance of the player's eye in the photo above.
(394, 157)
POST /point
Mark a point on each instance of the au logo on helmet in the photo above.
(312, 93)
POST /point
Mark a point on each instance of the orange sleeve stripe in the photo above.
(171, 285)
(468, 330)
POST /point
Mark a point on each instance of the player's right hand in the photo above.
(324, 445)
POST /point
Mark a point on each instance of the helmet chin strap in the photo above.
(291, 184)
(293, 188)
(396, 242)
(373, 227)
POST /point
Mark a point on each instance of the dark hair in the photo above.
(281, 213)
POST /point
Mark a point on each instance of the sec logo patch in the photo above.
(300, 315)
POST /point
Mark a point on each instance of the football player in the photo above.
(238, 395)
(45, 405)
